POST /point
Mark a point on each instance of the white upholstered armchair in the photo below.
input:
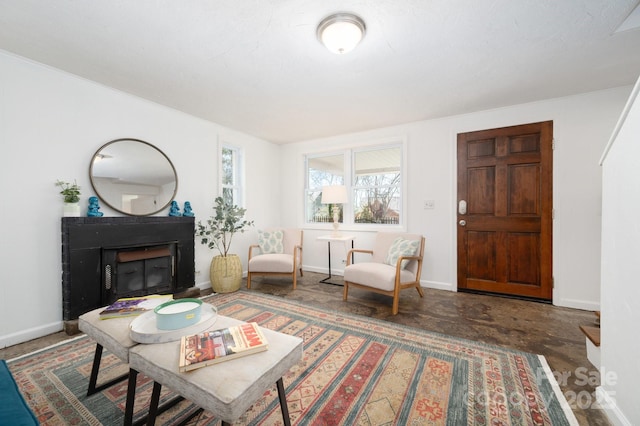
(278, 252)
(394, 264)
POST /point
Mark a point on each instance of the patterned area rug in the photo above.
(355, 371)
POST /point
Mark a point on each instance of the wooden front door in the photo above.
(505, 210)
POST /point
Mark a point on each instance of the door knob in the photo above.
(462, 223)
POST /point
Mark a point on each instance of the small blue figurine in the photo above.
(187, 209)
(174, 210)
(94, 207)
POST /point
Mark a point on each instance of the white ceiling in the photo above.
(256, 65)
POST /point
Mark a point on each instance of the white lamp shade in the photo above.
(341, 33)
(334, 194)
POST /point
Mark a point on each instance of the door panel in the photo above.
(523, 258)
(481, 259)
(504, 239)
(524, 199)
(481, 199)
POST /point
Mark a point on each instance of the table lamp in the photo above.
(334, 194)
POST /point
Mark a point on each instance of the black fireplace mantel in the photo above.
(85, 238)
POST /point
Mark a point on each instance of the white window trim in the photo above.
(238, 171)
(346, 171)
(349, 158)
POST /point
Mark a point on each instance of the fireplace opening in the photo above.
(138, 270)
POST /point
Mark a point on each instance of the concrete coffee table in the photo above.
(226, 389)
(112, 334)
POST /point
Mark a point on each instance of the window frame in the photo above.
(354, 188)
(308, 190)
(237, 187)
(348, 217)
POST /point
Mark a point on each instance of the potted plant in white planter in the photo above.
(71, 194)
(217, 233)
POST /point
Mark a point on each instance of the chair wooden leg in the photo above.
(345, 291)
(420, 292)
(248, 279)
(396, 302)
(396, 299)
(295, 279)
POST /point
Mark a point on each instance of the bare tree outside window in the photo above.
(377, 183)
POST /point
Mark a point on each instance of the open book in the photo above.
(130, 306)
(212, 347)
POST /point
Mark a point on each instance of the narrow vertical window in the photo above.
(230, 175)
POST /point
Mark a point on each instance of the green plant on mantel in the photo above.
(70, 191)
(217, 232)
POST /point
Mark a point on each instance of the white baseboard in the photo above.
(30, 334)
(314, 269)
(321, 270)
(609, 406)
(584, 305)
(438, 285)
(204, 286)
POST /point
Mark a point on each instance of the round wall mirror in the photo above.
(133, 177)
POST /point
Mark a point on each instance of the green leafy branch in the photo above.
(218, 230)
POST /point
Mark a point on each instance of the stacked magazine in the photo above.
(131, 306)
(212, 347)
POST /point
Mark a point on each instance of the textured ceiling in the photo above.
(256, 65)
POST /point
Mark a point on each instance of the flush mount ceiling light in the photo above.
(341, 32)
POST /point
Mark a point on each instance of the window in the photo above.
(322, 171)
(230, 175)
(373, 177)
(376, 187)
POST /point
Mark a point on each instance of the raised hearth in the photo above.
(105, 258)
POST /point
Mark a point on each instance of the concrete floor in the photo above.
(524, 325)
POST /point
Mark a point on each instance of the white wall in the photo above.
(51, 124)
(620, 346)
(582, 125)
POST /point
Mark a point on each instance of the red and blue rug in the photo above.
(355, 371)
